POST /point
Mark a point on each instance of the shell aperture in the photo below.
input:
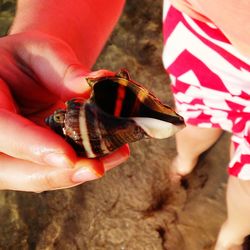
(119, 111)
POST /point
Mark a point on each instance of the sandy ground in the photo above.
(134, 206)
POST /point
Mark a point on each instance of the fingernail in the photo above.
(84, 174)
(58, 160)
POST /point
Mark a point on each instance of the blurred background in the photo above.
(7, 9)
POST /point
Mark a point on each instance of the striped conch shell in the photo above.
(119, 111)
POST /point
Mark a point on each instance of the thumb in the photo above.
(57, 66)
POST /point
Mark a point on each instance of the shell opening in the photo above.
(157, 129)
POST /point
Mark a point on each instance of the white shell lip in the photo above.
(156, 128)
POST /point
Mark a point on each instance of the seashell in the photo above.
(119, 111)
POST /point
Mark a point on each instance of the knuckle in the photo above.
(53, 180)
(44, 182)
(49, 182)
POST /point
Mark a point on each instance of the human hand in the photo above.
(38, 73)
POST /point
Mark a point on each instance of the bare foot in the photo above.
(180, 167)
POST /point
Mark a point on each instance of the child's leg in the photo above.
(237, 225)
(190, 143)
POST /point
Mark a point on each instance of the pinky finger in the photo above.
(21, 175)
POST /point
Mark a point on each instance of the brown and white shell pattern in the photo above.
(119, 111)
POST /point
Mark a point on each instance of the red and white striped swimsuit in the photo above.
(210, 81)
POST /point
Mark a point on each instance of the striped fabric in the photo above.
(210, 81)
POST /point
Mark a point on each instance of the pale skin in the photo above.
(52, 46)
